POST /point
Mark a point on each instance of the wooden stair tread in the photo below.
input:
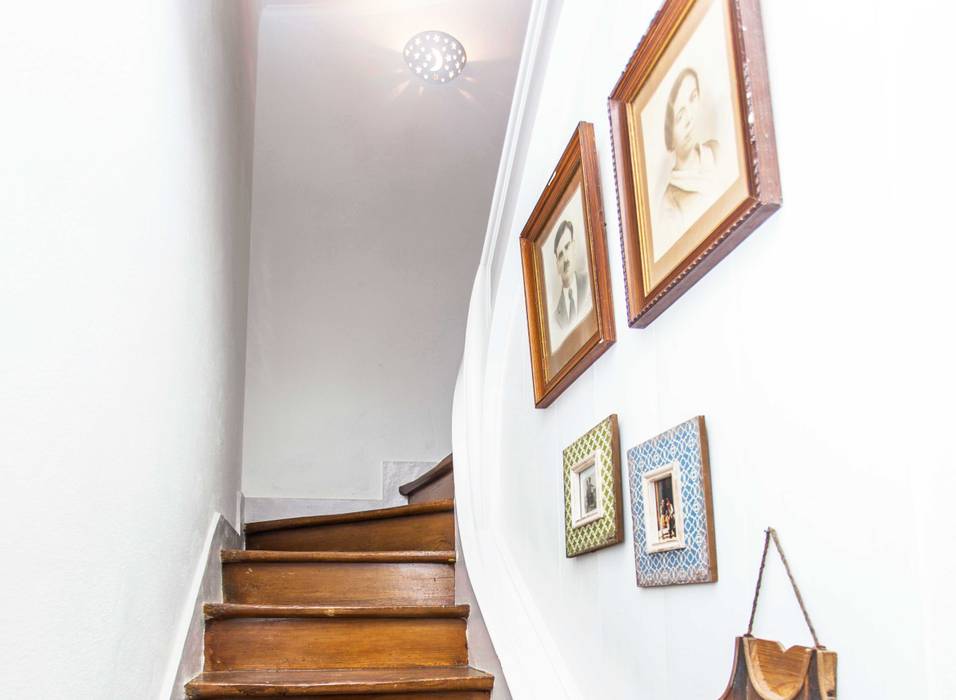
(222, 611)
(358, 516)
(285, 578)
(304, 643)
(433, 474)
(336, 681)
(398, 557)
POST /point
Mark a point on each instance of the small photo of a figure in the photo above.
(666, 514)
(589, 490)
(586, 499)
(663, 515)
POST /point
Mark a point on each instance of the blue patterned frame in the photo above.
(685, 444)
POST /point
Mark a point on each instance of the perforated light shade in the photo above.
(435, 57)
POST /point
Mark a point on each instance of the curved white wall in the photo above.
(124, 241)
(820, 352)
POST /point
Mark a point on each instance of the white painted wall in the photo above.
(821, 353)
(124, 219)
(394, 475)
(370, 198)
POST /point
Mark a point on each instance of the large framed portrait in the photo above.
(694, 147)
(566, 279)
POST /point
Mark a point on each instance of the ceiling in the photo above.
(351, 149)
(331, 72)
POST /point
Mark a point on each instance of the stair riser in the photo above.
(333, 583)
(427, 531)
(293, 643)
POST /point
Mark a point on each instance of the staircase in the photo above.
(342, 607)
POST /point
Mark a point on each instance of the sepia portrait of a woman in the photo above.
(692, 178)
(689, 140)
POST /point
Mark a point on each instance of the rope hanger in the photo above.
(772, 534)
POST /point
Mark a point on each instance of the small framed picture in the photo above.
(586, 500)
(663, 516)
(694, 147)
(672, 509)
(594, 516)
(566, 278)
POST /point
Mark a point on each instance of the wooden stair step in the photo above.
(225, 611)
(446, 505)
(242, 637)
(422, 526)
(453, 683)
(390, 557)
(338, 578)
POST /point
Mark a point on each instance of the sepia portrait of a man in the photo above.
(575, 292)
(568, 298)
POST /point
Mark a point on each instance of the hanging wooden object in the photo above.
(764, 670)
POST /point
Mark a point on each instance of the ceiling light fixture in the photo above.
(435, 57)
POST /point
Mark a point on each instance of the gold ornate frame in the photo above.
(578, 163)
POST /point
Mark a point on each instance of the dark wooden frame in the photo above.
(580, 152)
(763, 176)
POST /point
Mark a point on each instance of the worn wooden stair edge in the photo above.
(442, 506)
(434, 474)
(230, 556)
(221, 684)
(224, 611)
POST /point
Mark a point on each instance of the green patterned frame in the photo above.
(609, 529)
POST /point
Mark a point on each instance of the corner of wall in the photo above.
(206, 587)
(528, 654)
(240, 514)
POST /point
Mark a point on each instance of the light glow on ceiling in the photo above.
(435, 57)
